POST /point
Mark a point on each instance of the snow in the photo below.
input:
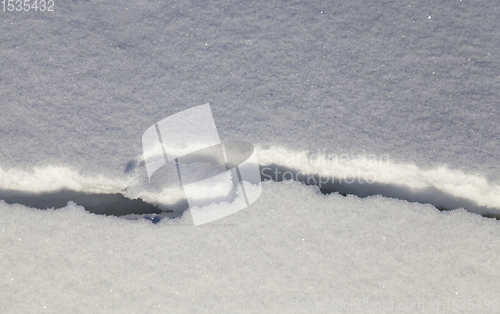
(401, 94)
(306, 247)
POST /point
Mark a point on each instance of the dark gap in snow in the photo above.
(105, 204)
(439, 199)
(119, 205)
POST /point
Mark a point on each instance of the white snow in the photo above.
(365, 97)
(293, 244)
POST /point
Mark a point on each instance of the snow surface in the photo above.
(294, 244)
(318, 87)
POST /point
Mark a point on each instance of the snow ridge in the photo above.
(366, 175)
(359, 175)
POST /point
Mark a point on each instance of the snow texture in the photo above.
(293, 244)
(319, 87)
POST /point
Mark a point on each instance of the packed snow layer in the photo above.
(293, 245)
(369, 174)
(417, 81)
(361, 175)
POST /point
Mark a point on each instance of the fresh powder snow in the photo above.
(375, 125)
